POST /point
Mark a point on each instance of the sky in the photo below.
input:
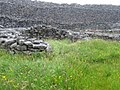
(82, 2)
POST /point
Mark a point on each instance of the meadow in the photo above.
(82, 65)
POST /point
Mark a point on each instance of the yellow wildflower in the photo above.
(4, 77)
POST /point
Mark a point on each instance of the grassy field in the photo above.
(83, 65)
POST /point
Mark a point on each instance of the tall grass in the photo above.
(83, 65)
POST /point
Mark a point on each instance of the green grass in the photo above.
(83, 65)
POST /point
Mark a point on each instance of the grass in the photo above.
(83, 65)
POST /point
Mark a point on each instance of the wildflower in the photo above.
(70, 76)
(4, 77)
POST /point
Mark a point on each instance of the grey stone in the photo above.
(39, 46)
(13, 46)
(87, 38)
(49, 48)
(1, 26)
(21, 48)
(37, 41)
(28, 43)
(31, 39)
(8, 42)
(2, 41)
(20, 41)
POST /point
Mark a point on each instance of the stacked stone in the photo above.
(15, 42)
(24, 45)
(43, 31)
(107, 36)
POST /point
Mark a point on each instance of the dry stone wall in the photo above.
(44, 32)
(15, 42)
(31, 39)
(107, 35)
